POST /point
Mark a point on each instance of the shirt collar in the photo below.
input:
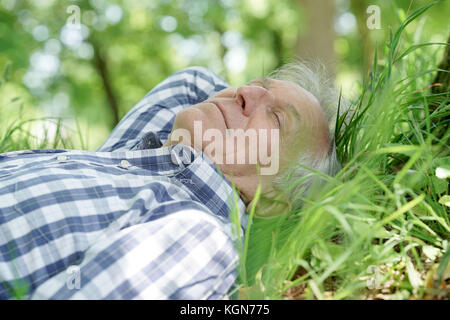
(205, 180)
(191, 168)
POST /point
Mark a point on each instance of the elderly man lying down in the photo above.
(148, 215)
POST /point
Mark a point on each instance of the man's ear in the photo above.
(270, 204)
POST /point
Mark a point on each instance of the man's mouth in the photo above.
(221, 112)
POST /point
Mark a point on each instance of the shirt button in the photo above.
(61, 158)
(125, 164)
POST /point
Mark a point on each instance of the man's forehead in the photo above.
(295, 89)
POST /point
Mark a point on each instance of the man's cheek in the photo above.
(269, 151)
(267, 139)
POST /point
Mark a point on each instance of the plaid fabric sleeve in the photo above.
(185, 255)
(157, 110)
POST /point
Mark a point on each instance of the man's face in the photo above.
(261, 109)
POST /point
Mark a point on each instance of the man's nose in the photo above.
(252, 97)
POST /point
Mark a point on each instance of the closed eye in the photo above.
(277, 119)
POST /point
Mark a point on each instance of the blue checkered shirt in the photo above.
(133, 220)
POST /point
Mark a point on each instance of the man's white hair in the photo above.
(297, 179)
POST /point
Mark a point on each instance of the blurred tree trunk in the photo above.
(316, 40)
(368, 48)
(277, 47)
(102, 68)
(222, 50)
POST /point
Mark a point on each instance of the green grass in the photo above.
(21, 128)
(380, 228)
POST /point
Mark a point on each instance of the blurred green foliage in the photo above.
(121, 49)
